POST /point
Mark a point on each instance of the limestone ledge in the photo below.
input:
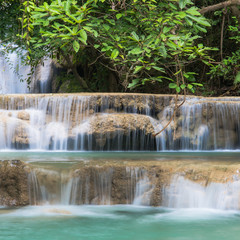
(117, 179)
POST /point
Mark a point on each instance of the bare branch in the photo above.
(219, 6)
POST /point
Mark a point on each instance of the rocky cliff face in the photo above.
(13, 183)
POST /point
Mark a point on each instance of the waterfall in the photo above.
(117, 122)
(91, 185)
(140, 187)
(13, 74)
(183, 193)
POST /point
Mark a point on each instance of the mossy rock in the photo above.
(68, 84)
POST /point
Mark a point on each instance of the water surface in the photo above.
(118, 222)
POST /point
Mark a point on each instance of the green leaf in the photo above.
(183, 86)
(119, 15)
(75, 29)
(178, 89)
(172, 45)
(83, 35)
(135, 36)
(67, 6)
(166, 29)
(136, 51)
(163, 51)
(134, 83)
(201, 29)
(190, 86)
(193, 11)
(45, 23)
(46, 6)
(138, 68)
(76, 46)
(200, 20)
(182, 14)
(197, 84)
(173, 85)
(88, 29)
(237, 78)
(114, 54)
(158, 69)
(106, 27)
(188, 21)
(182, 3)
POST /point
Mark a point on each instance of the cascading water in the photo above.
(13, 74)
(89, 186)
(183, 193)
(116, 122)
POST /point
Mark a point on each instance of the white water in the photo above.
(90, 186)
(13, 74)
(183, 193)
(75, 122)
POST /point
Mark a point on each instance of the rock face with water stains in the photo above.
(13, 183)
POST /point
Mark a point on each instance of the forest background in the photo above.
(153, 46)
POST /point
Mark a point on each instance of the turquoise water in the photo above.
(58, 156)
(119, 223)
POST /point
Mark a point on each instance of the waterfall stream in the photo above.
(183, 193)
(116, 122)
(13, 74)
(89, 186)
(129, 185)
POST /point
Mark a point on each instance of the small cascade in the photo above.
(91, 185)
(183, 193)
(13, 74)
(140, 187)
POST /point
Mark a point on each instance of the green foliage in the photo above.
(229, 67)
(142, 40)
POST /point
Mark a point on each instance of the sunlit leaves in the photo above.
(141, 40)
(76, 46)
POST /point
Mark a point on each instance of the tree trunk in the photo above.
(75, 72)
(219, 6)
(79, 78)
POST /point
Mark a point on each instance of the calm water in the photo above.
(66, 156)
(119, 222)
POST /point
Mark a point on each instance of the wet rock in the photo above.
(23, 115)
(13, 183)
